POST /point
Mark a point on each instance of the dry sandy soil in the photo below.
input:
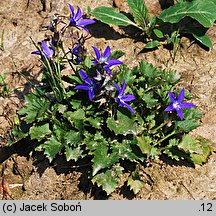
(32, 177)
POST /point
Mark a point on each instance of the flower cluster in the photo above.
(101, 80)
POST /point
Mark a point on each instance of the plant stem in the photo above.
(164, 138)
(160, 126)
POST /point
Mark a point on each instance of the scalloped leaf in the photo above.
(109, 179)
(198, 148)
(122, 125)
(102, 159)
(52, 147)
(39, 132)
(73, 154)
(135, 183)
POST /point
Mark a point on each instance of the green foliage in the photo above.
(204, 12)
(123, 122)
(139, 11)
(135, 183)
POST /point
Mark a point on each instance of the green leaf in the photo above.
(198, 148)
(135, 183)
(145, 146)
(122, 125)
(109, 179)
(35, 108)
(148, 70)
(152, 44)
(116, 54)
(95, 122)
(203, 39)
(158, 33)
(139, 11)
(52, 148)
(124, 149)
(72, 137)
(172, 151)
(73, 154)
(149, 100)
(202, 11)
(126, 74)
(39, 131)
(102, 159)
(109, 16)
(198, 34)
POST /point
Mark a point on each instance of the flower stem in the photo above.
(164, 138)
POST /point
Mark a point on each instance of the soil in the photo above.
(29, 174)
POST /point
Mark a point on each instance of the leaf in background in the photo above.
(39, 131)
(172, 151)
(139, 11)
(158, 33)
(122, 125)
(198, 34)
(109, 179)
(202, 11)
(102, 159)
(116, 54)
(152, 44)
(135, 183)
(203, 39)
(109, 16)
(52, 147)
(198, 148)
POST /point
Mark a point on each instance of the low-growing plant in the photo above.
(192, 17)
(105, 111)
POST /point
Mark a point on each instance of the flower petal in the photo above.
(180, 113)
(71, 9)
(172, 97)
(82, 87)
(78, 14)
(129, 107)
(181, 95)
(47, 51)
(128, 97)
(84, 22)
(117, 87)
(123, 88)
(83, 75)
(106, 53)
(169, 108)
(112, 62)
(106, 68)
(91, 94)
(97, 52)
(187, 105)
